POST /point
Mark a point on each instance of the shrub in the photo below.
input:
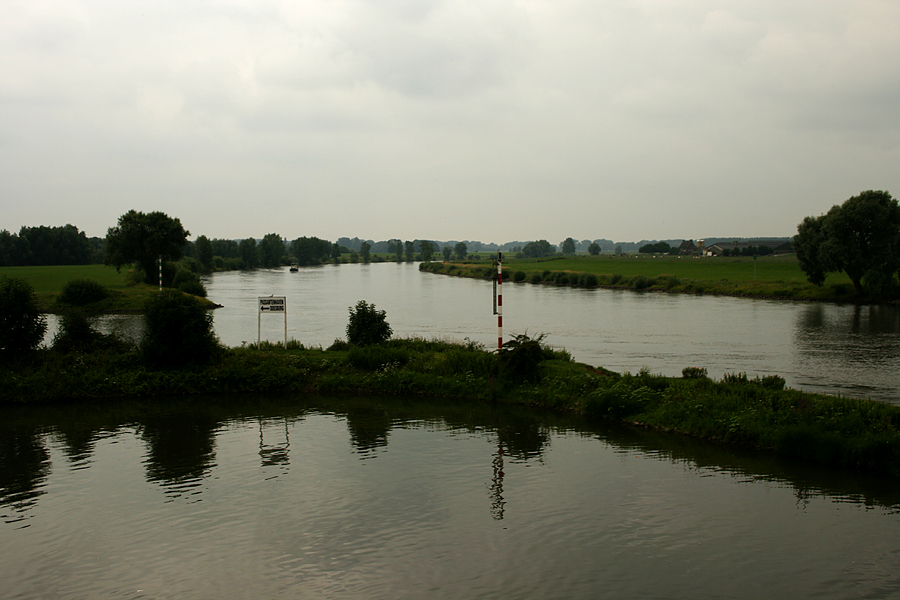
(590, 280)
(339, 345)
(367, 326)
(76, 335)
(519, 276)
(372, 358)
(641, 283)
(22, 326)
(734, 378)
(773, 382)
(536, 277)
(520, 358)
(189, 283)
(694, 373)
(79, 292)
(178, 331)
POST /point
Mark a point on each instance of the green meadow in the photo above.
(48, 282)
(764, 277)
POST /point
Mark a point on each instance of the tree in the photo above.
(861, 237)
(22, 326)
(594, 249)
(144, 239)
(311, 250)
(568, 246)
(538, 249)
(178, 331)
(367, 326)
(249, 253)
(446, 251)
(657, 248)
(271, 250)
(427, 250)
(461, 250)
(364, 249)
(409, 249)
(204, 252)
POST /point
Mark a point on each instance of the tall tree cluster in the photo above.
(48, 246)
(860, 237)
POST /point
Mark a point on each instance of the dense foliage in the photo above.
(144, 239)
(22, 326)
(81, 292)
(367, 325)
(48, 246)
(861, 237)
(178, 331)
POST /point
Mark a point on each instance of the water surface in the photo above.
(298, 497)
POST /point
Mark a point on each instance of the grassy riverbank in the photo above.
(848, 433)
(124, 295)
(765, 277)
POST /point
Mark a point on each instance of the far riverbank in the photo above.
(768, 277)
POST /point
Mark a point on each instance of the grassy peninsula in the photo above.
(777, 277)
(855, 434)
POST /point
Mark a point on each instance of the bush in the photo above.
(773, 382)
(79, 292)
(519, 276)
(536, 277)
(76, 335)
(178, 331)
(521, 357)
(22, 326)
(694, 373)
(189, 283)
(641, 283)
(367, 326)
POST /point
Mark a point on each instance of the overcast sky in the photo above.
(490, 120)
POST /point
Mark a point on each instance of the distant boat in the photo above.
(294, 267)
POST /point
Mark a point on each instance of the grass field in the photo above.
(48, 282)
(767, 276)
(51, 279)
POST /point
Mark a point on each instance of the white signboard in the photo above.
(272, 304)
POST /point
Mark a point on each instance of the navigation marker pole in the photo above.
(499, 300)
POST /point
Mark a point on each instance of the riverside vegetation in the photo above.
(182, 357)
(766, 277)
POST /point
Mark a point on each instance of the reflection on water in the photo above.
(855, 348)
(24, 468)
(358, 497)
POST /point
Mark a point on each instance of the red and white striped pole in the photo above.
(499, 300)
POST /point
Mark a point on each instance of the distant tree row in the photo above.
(34, 246)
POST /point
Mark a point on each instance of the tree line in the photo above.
(35, 246)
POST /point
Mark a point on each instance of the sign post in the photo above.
(271, 304)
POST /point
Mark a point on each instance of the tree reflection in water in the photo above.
(24, 467)
(180, 448)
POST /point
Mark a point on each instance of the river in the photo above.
(310, 497)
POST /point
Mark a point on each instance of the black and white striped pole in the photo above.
(499, 300)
